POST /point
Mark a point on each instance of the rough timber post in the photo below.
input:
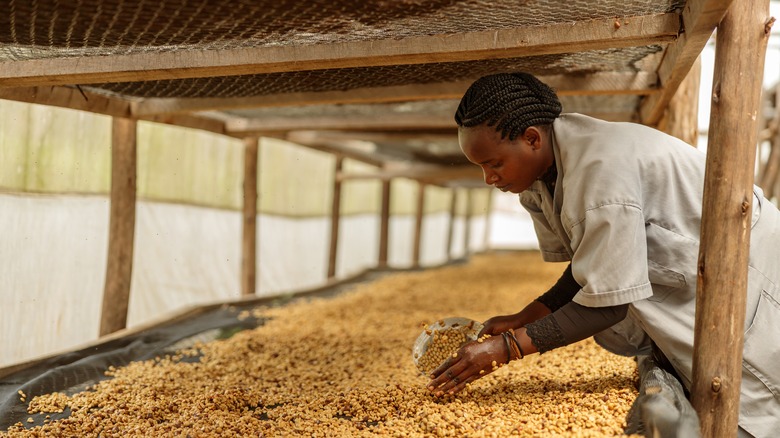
(682, 115)
(384, 224)
(121, 229)
(726, 212)
(771, 168)
(467, 221)
(335, 217)
(418, 223)
(249, 229)
(488, 209)
(453, 213)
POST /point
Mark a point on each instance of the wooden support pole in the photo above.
(681, 118)
(467, 223)
(453, 216)
(486, 238)
(776, 187)
(726, 216)
(771, 169)
(121, 229)
(249, 229)
(335, 217)
(418, 224)
(384, 224)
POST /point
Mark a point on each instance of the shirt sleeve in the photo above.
(562, 291)
(550, 245)
(610, 255)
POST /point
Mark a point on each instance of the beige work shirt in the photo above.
(626, 211)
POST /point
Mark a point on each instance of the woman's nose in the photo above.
(490, 178)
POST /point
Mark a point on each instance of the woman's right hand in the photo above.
(499, 324)
(473, 360)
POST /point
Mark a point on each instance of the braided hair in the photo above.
(511, 102)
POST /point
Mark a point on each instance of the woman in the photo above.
(622, 203)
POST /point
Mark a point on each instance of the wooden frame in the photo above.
(726, 216)
(727, 199)
(249, 228)
(524, 41)
(419, 217)
(119, 269)
(335, 218)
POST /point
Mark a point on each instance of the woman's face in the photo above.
(510, 166)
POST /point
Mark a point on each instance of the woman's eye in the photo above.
(495, 166)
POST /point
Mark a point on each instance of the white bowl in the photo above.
(470, 328)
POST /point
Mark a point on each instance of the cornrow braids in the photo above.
(511, 102)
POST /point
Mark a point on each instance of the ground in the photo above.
(342, 366)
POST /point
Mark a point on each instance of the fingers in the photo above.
(445, 366)
(456, 383)
(487, 328)
(453, 375)
(441, 378)
(460, 385)
(491, 327)
(450, 368)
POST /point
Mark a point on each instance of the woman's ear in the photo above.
(533, 136)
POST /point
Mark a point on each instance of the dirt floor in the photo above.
(342, 366)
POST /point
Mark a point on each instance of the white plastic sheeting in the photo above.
(183, 255)
(511, 226)
(50, 248)
(53, 260)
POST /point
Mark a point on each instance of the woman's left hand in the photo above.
(473, 357)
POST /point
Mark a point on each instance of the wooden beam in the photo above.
(119, 268)
(681, 118)
(69, 97)
(390, 148)
(699, 19)
(313, 141)
(401, 93)
(429, 174)
(335, 219)
(82, 100)
(392, 127)
(387, 136)
(401, 126)
(418, 224)
(491, 44)
(603, 83)
(214, 125)
(726, 216)
(384, 224)
(619, 116)
(380, 122)
(249, 229)
(633, 83)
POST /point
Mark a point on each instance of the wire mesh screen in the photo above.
(613, 60)
(51, 28)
